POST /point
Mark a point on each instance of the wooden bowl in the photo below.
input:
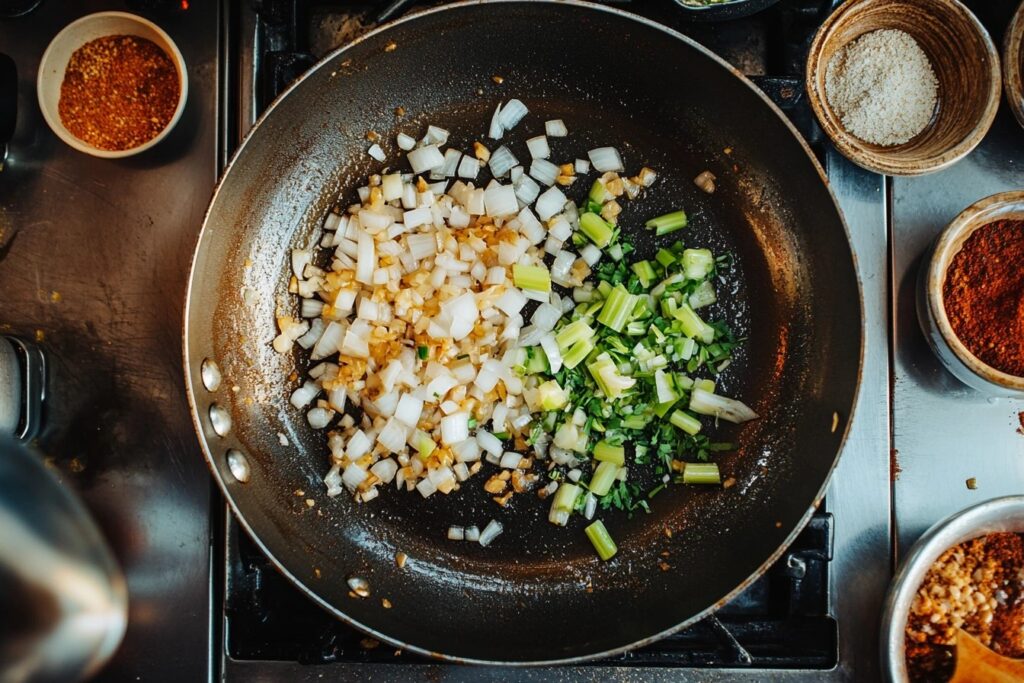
(76, 34)
(966, 66)
(1013, 58)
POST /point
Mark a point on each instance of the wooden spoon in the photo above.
(976, 663)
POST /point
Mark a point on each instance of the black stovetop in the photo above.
(782, 620)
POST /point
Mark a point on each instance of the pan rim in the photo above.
(334, 610)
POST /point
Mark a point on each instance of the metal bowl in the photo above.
(999, 514)
(931, 310)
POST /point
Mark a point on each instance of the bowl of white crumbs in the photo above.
(903, 87)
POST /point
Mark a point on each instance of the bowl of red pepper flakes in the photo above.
(971, 295)
(112, 84)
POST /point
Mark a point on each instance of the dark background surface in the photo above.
(94, 256)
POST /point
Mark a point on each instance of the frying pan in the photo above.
(538, 593)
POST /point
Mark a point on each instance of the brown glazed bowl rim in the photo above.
(878, 160)
(994, 207)
(1012, 82)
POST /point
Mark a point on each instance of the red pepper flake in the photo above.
(118, 92)
(984, 295)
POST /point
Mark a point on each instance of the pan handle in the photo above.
(8, 103)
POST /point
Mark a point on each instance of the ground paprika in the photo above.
(984, 295)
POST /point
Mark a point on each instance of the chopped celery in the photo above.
(563, 503)
(602, 540)
(697, 263)
(551, 396)
(701, 473)
(596, 230)
(599, 194)
(693, 325)
(665, 257)
(617, 308)
(707, 385)
(615, 252)
(662, 408)
(536, 360)
(604, 289)
(635, 421)
(636, 329)
(644, 272)
(607, 376)
(663, 387)
(576, 331)
(704, 402)
(536, 278)
(579, 351)
(605, 452)
(688, 348)
(670, 222)
(604, 477)
(688, 423)
(703, 296)
(683, 381)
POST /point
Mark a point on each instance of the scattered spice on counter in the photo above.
(882, 86)
(984, 295)
(118, 92)
(978, 586)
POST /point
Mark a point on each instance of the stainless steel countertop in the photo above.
(94, 255)
(943, 431)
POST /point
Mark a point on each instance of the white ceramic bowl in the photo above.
(996, 515)
(75, 35)
(931, 309)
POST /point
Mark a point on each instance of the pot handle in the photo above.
(8, 103)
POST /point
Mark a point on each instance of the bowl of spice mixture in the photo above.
(112, 84)
(903, 87)
(971, 295)
(955, 609)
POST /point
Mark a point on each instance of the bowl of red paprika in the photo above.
(971, 295)
(112, 84)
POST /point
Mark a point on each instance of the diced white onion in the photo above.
(451, 163)
(501, 162)
(500, 200)
(493, 528)
(526, 189)
(376, 152)
(454, 428)
(511, 301)
(556, 128)
(512, 113)
(606, 159)
(405, 142)
(538, 147)
(590, 254)
(549, 203)
(428, 158)
(456, 533)
(319, 418)
(472, 534)
(435, 136)
(489, 442)
(496, 130)
(582, 166)
(469, 167)
(304, 395)
(544, 172)
(353, 476)
(554, 355)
